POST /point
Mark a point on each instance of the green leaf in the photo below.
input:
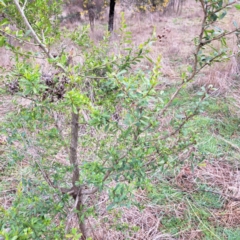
(27, 33)
(2, 41)
(111, 206)
(235, 24)
(237, 6)
(149, 59)
(2, 3)
(74, 109)
(222, 15)
(180, 116)
(190, 69)
(223, 42)
(4, 22)
(69, 236)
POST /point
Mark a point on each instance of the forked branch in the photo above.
(28, 25)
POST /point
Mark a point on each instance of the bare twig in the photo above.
(223, 7)
(24, 5)
(201, 43)
(34, 34)
(20, 40)
(28, 25)
(219, 37)
(60, 130)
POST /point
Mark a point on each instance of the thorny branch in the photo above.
(3, 33)
(201, 43)
(28, 25)
(35, 36)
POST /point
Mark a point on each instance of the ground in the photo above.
(201, 198)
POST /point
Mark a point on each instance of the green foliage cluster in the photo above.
(29, 218)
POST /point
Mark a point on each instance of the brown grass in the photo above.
(148, 222)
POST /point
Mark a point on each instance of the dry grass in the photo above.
(132, 223)
(216, 175)
(5, 60)
(176, 45)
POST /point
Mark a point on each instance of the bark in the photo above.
(111, 15)
(77, 195)
(153, 3)
(73, 147)
(82, 224)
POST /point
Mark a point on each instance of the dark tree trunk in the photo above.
(111, 15)
(153, 3)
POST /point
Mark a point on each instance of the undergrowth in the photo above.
(188, 204)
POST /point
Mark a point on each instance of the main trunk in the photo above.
(111, 15)
(75, 176)
(81, 222)
(73, 147)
